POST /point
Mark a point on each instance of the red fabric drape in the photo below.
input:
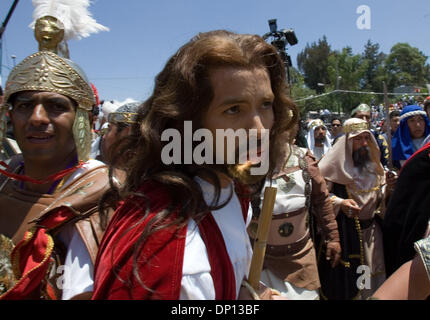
(161, 257)
(31, 256)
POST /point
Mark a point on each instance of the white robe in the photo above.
(77, 273)
(197, 282)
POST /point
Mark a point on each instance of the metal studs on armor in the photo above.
(286, 229)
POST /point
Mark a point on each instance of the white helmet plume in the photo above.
(74, 14)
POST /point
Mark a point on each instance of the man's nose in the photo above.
(258, 123)
(39, 115)
(365, 143)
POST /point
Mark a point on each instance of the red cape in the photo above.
(161, 257)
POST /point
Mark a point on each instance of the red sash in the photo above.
(31, 256)
(163, 251)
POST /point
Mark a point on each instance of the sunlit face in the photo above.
(362, 140)
(336, 127)
(243, 98)
(363, 115)
(394, 122)
(110, 138)
(42, 124)
(320, 133)
(416, 125)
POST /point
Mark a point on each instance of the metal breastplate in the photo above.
(286, 229)
(283, 226)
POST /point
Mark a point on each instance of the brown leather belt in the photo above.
(288, 214)
(282, 250)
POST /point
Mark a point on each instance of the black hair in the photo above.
(96, 111)
(336, 118)
(394, 113)
(426, 104)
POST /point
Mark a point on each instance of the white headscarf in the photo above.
(338, 165)
(310, 137)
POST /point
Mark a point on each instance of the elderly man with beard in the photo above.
(318, 138)
(363, 111)
(356, 179)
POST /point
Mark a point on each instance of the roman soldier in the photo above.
(49, 194)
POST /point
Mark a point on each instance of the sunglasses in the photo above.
(336, 125)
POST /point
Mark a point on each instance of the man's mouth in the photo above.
(254, 156)
(39, 138)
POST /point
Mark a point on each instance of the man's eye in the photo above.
(23, 107)
(57, 107)
(232, 110)
(268, 105)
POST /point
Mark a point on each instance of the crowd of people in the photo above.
(96, 203)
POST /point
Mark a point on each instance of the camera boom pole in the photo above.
(2, 30)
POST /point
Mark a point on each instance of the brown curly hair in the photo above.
(183, 92)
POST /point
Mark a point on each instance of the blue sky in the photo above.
(123, 62)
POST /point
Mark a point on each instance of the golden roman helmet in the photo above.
(50, 69)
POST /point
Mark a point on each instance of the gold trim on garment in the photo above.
(122, 117)
(316, 123)
(16, 259)
(364, 191)
(353, 127)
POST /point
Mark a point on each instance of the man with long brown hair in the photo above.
(181, 231)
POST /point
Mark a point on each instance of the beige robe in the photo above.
(367, 192)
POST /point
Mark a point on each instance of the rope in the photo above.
(357, 92)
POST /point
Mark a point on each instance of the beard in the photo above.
(245, 172)
(319, 140)
(361, 158)
(242, 173)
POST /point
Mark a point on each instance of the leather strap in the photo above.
(283, 250)
(91, 234)
(288, 214)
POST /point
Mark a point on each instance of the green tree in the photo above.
(375, 72)
(406, 65)
(299, 90)
(346, 71)
(313, 62)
